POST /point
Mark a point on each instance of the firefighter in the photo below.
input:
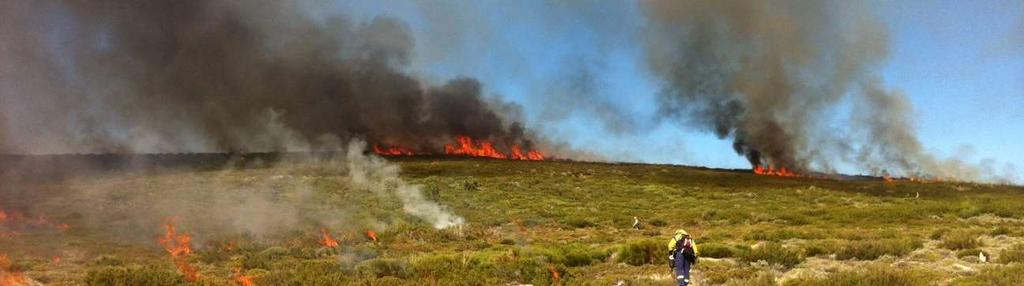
(682, 254)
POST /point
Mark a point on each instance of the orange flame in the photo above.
(178, 246)
(466, 146)
(770, 171)
(372, 235)
(17, 219)
(326, 239)
(394, 151)
(244, 280)
(555, 277)
(482, 148)
(10, 278)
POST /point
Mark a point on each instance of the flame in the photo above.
(10, 278)
(178, 246)
(326, 239)
(483, 148)
(244, 280)
(770, 171)
(393, 151)
(466, 146)
(17, 219)
(372, 235)
(555, 277)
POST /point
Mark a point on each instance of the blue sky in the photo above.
(961, 63)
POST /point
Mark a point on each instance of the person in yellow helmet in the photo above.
(682, 254)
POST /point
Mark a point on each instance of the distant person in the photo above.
(682, 254)
(636, 223)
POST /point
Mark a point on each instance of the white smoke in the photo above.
(380, 176)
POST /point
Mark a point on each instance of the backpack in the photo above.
(685, 247)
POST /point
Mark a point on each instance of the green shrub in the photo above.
(1001, 230)
(821, 248)
(715, 250)
(107, 260)
(872, 249)
(869, 276)
(133, 276)
(576, 222)
(968, 252)
(381, 267)
(658, 222)
(263, 259)
(578, 255)
(996, 275)
(960, 240)
(773, 253)
(307, 272)
(643, 252)
(938, 233)
(1012, 254)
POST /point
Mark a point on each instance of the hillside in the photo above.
(525, 222)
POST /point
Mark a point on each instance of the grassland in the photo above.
(525, 222)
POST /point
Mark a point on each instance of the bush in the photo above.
(308, 272)
(643, 252)
(821, 248)
(773, 253)
(872, 249)
(1001, 230)
(960, 240)
(968, 252)
(658, 222)
(715, 250)
(107, 260)
(1010, 275)
(938, 233)
(579, 222)
(1012, 254)
(578, 255)
(381, 267)
(133, 276)
(869, 276)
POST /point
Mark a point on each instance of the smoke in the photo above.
(297, 195)
(375, 174)
(170, 76)
(771, 75)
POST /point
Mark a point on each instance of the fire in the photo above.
(179, 246)
(466, 146)
(555, 276)
(372, 235)
(10, 278)
(482, 148)
(241, 279)
(326, 239)
(770, 171)
(394, 151)
(19, 220)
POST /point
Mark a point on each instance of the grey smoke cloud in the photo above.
(171, 76)
(768, 75)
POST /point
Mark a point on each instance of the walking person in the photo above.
(682, 256)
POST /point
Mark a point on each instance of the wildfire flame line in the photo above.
(241, 279)
(372, 235)
(179, 246)
(10, 278)
(466, 146)
(17, 220)
(771, 171)
(326, 238)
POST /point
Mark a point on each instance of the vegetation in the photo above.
(544, 223)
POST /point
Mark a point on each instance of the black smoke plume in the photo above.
(771, 75)
(215, 76)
